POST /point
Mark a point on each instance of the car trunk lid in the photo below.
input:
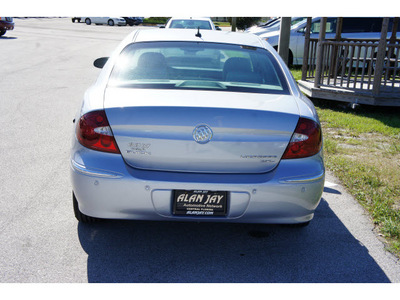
(200, 131)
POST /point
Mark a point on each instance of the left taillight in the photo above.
(94, 132)
(306, 140)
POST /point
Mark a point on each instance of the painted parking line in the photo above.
(330, 184)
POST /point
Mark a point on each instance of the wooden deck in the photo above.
(388, 96)
(348, 72)
(365, 71)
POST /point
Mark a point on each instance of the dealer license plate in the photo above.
(199, 203)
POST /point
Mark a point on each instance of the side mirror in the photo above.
(100, 62)
(217, 28)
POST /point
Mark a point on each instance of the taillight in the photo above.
(93, 131)
(306, 140)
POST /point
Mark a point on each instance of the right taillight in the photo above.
(93, 131)
(306, 140)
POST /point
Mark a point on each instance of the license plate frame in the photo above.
(197, 203)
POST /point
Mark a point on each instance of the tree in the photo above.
(245, 22)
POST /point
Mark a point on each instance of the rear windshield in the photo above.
(198, 65)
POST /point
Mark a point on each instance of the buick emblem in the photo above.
(202, 134)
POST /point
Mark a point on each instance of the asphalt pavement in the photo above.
(46, 66)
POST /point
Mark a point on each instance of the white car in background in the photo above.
(273, 25)
(263, 26)
(191, 23)
(352, 28)
(111, 21)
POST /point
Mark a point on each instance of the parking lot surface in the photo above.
(46, 67)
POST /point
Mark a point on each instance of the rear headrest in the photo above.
(151, 60)
(237, 64)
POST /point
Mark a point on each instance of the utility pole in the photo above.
(233, 24)
(284, 39)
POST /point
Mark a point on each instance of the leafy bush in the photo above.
(156, 20)
(245, 22)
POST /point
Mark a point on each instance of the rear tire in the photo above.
(2, 32)
(79, 215)
(297, 225)
(290, 58)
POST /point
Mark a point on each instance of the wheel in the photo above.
(110, 22)
(297, 225)
(301, 225)
(290, 58)
(80, 216)
(88, 21)
(2, 32)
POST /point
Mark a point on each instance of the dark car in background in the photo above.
(133, 20)
(6, 23)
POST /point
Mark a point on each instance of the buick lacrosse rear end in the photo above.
(196, 126)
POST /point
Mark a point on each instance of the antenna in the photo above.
(198, 34)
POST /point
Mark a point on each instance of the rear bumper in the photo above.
(106, 187)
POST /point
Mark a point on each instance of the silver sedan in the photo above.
(196, 125)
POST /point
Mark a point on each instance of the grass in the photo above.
(362, 149)
(296, 71)
(222, 24)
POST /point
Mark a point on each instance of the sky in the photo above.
(222, 8)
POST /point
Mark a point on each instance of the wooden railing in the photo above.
(352, 64)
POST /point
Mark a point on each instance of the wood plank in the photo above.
(380, 57)
(321, 38)
(306, 53)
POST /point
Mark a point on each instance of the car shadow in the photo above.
(331, 191)
(179, 252)
(7, 38)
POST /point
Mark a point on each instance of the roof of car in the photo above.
(211, 36)
(190, 18)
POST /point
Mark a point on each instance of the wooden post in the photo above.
(321, 38)
(338, 37)
(284, 39)
(394, 30)
(380, 57)
(339, 26)
(306, 50)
